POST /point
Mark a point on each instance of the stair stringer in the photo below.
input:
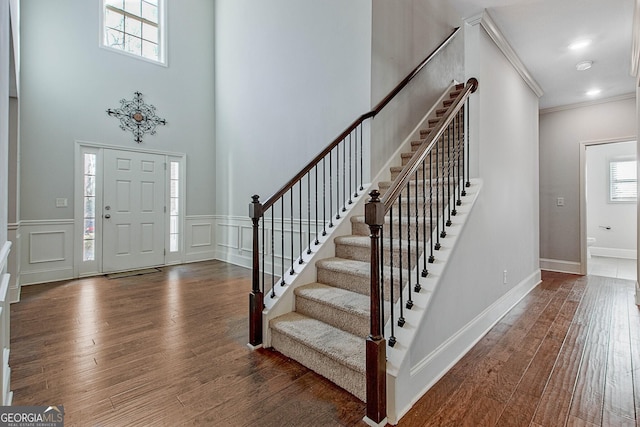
(284, 300)
(399, 364)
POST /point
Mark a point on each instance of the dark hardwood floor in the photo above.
(169, 348)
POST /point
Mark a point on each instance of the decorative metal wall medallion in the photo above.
(137, 117)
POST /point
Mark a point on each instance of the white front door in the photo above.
(133, 210)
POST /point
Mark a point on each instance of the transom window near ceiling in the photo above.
(134, 27)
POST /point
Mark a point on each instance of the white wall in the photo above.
(5, 38)
(404, 32)
(501, 233)
(290, 76)
(620, 239)
(561, 133)
(68, 81)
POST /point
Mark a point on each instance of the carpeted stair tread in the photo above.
(347, 266)
(338, 298)
(336, 344)
(335, 306)
(364, 241)
(441, 180)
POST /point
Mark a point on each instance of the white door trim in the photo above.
(583, 193)
(82, 268)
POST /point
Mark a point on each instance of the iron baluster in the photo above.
(432, 258)
(338, 182)
(425, 272)
(292, 271)
(331, 189)
(355, 164)
(466, 109)
(344, 175)
(417, 240)
(443, 232)
(300, 261)
(324, 198)
(273, 254)
(317, 242)
(361, 164)
(282, 255)
(350, 171)
(449, 130)
(392, 338)
(400, 282)
(459, 162)
(437, 245)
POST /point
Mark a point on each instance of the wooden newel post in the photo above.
(256, 298)
(376, 345)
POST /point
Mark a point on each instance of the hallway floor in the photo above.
(169, 349)
(618, 268)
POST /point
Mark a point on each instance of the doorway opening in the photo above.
(609, 208)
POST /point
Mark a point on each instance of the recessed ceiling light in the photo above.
(584, 65)
(593, 92)
(580, 44)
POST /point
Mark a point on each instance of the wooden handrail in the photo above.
(407, 172)
(282, 191)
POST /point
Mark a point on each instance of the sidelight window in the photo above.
(89, 207)
(174, 207)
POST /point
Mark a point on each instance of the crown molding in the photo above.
(485, 20)
(587, 103)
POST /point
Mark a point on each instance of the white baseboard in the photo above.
(560, 266)
(45, 276)
(435, 365)
(614, 252)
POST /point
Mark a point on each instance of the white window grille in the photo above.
(134, 27)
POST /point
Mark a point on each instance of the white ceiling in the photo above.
(540, 32)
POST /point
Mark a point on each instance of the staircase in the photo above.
(327, 330)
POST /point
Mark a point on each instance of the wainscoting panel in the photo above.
(47, 251)
(199, 238)
(235, 240)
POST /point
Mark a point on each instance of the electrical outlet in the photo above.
(560, 201)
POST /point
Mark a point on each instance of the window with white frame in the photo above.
(174, 206)
(134, 27)
(623, 181)
(89, 207)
